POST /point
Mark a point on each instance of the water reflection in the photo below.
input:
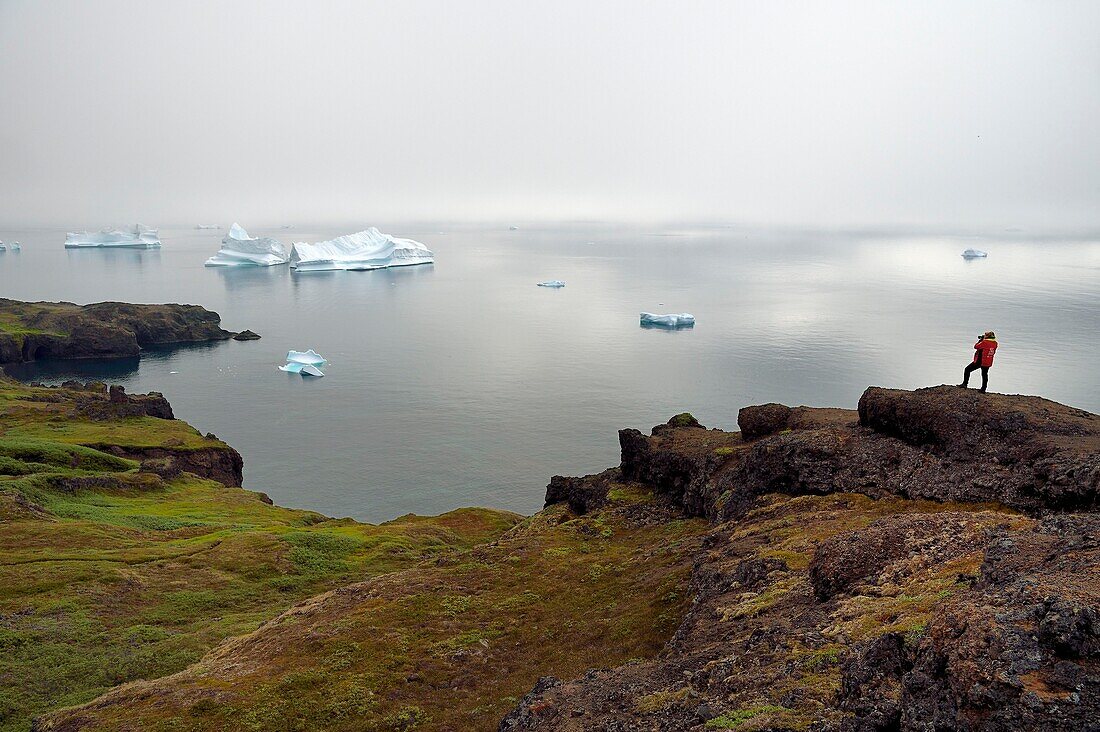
(464, 383)
(85, 369)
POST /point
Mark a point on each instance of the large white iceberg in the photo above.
(671, 320)
(974, 253)
(141, 237)
(370, 249)
(241, 250)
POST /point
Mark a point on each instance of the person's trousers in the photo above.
(972, 367)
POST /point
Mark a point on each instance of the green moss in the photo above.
(723, 451)
(736, 719)
(684, 419)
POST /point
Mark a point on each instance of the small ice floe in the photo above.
(974, 254)
(552, 283)
(304, 362)
(3, 247)
(304, 369)
(513, 228)
(15, 246)
(173, 372)
(208, 226)
(141, 237)
(311, 357)
(671, 320)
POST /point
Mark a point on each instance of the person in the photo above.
(984, 350)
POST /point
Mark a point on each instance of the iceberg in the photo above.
(370, 249)
(307, 357)
(208, 226)
(141, 237)
(241, 250)
(552, 283)
(15, 246)
(301, 368)
(974, 253)
(671, 320)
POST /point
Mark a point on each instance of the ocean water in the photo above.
(462, 383)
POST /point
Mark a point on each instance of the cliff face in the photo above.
(943, 444)
(40, 330)
(929, 562)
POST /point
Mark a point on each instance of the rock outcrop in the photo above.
(930, 562)
(40, 330)
(941, 443)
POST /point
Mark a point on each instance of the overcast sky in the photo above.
(969, 114)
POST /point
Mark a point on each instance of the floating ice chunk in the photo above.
(141, 237)
(208, 226)
(552, 283)
(15, 246)
(301, 368)
(309, 357)
(241, 250)
(974, 253)
(672, 320)
(370, 249)
(513, 228)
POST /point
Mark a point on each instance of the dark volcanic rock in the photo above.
(95, 401)
(102, 330)
(223, 464)
(1018, 651)
(761, 420)
(825, 610)
(843, 561)
(247, 335)
(582, 494)
(943, 444)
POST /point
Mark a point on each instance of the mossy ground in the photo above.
(139, 578)
(450, 644)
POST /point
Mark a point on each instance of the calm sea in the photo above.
(462, 383)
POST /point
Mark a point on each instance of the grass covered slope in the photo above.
(110, 572)
(450, 644)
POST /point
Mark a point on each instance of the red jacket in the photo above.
(984, 350)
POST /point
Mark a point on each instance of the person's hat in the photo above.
(990, 334)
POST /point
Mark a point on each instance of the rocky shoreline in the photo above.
(33, 331)
(928, 561)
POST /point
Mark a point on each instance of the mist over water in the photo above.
(462, 383)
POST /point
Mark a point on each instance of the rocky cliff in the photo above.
(928, 562)
(31, 331)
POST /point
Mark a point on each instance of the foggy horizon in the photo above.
(939, 116)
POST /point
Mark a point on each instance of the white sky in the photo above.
(970, 114)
